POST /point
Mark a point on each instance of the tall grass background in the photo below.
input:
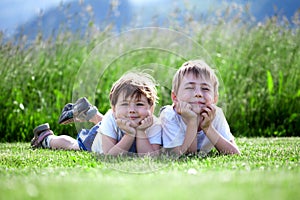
(259, 63)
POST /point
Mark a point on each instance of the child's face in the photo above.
(132, 108)
(198, 92)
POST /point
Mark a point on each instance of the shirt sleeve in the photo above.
(221, 125)
(108, 125)
(154, 132)
(171, 131)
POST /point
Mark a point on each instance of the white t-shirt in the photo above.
(174, 129)
(109, 127)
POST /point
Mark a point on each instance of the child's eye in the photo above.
(205, 89)
(124, 104)
(140, 104)
(189, 88)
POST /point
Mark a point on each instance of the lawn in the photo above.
(269, 168)
(258, 64)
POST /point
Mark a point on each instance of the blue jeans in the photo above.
(85, 138)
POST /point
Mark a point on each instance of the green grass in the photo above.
(269, 168)
(259, 65)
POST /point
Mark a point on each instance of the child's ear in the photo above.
(152, 109)
(174, 97)
(216, 99)
(113, 109)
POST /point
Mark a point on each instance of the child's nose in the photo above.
(198, 92)
(131, 108)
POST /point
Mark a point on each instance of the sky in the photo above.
(15, 12)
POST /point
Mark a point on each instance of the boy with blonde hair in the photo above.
(193, 122)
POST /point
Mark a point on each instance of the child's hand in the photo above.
(145, 123)
(207, 116)
(126, 126)
(185, 110)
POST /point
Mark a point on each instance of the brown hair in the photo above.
(198, 68)
(134, 84)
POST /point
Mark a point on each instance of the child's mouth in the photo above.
(198, 103)
(133, 117)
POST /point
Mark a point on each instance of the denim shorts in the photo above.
(85, 138)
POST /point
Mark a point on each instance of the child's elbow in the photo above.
(232, 152)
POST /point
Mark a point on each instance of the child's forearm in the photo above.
(122, 146)
(190, 141)
(221, 144)
(193, 146)
(143, 145)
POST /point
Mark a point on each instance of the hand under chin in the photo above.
(197, 109)
(135, 123)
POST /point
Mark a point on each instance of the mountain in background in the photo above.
(77, 16)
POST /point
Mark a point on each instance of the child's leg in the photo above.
(63, 142)
(96, 118)
(81, 111)
(44, 138)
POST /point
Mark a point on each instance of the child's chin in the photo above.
(135, 123)
(197, 110)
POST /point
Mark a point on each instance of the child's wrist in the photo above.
(130, 134)
(212, 134)
(207, 129)
(192, 122)
(141, 134)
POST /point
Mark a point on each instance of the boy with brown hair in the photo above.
(129, 126)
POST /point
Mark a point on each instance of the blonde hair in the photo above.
(199, 69)
(134, 84)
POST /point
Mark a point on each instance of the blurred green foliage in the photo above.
(259, 63)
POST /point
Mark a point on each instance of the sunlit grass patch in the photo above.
(268, 168)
